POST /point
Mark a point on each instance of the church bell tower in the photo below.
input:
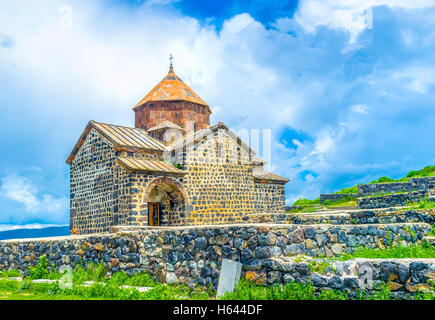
(172, 100)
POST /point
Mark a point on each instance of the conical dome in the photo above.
(172, 88)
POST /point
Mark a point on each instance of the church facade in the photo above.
(171, 169)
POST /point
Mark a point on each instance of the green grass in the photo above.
(10, 273)
(427, 171)
(111, 290)
(353, 189)
(297, 291)
(309, 206)
(307, 202)
(348, 200)
(411, 251)
(423, 204)
(105, 287)
(304, 210)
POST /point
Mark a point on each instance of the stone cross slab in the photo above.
(229, 276)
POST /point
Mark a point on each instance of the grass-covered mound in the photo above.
(428, 171)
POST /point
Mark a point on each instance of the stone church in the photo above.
(171, 169)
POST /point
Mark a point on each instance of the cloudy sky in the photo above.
(347, 89)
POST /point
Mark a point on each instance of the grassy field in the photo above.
(307, 206)
(411, 251)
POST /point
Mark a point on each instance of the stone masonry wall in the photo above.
(336, 196)
(178, 112)
(404, 277)
(93, 191)
(193, 255)
(270, 197)
(414, 184)
(391, 200)
(383, 216)
(218, 187)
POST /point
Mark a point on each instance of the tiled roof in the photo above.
(147, 165)
(121, 137)
(172, 88)
(264, 175)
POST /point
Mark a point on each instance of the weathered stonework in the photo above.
(382, 216)
(414, 184)
(192, 255)
(336, 196)
(217, 182)
(391, 200)
(182, 113)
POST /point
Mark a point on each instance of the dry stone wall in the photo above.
(391, 200)
(404, 277)
(336, 196)
(192, 255)
(414, 184)
(383, 216)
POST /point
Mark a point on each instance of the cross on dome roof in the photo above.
(172, 88)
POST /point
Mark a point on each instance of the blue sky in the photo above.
(346, 88)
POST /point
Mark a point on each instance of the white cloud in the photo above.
(252, 77)
(360, 108)
(352, 16)
(8, 227)
(416, 79)
(23, 191)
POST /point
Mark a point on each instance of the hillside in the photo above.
(427, 171)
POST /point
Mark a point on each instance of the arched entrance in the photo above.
(166, 200)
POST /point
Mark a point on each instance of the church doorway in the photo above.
(166, 203)
(153, 213)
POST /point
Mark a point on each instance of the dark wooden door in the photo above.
(153, 214)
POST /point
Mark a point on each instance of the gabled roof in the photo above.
(172, 88)
(148, 165)
(165, 124)
(121, 137)
(199, 135)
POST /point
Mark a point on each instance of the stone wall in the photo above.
(178, 112)
(391, 200)
(403, 276)
(383, 216)
(93, 194)
(414, 184)
(336, 196)
(193, 255)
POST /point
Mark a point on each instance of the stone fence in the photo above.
(414, 184)
(402, 276)
(192, 255)
(391, 200)
(383, 216)
(336, 196)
